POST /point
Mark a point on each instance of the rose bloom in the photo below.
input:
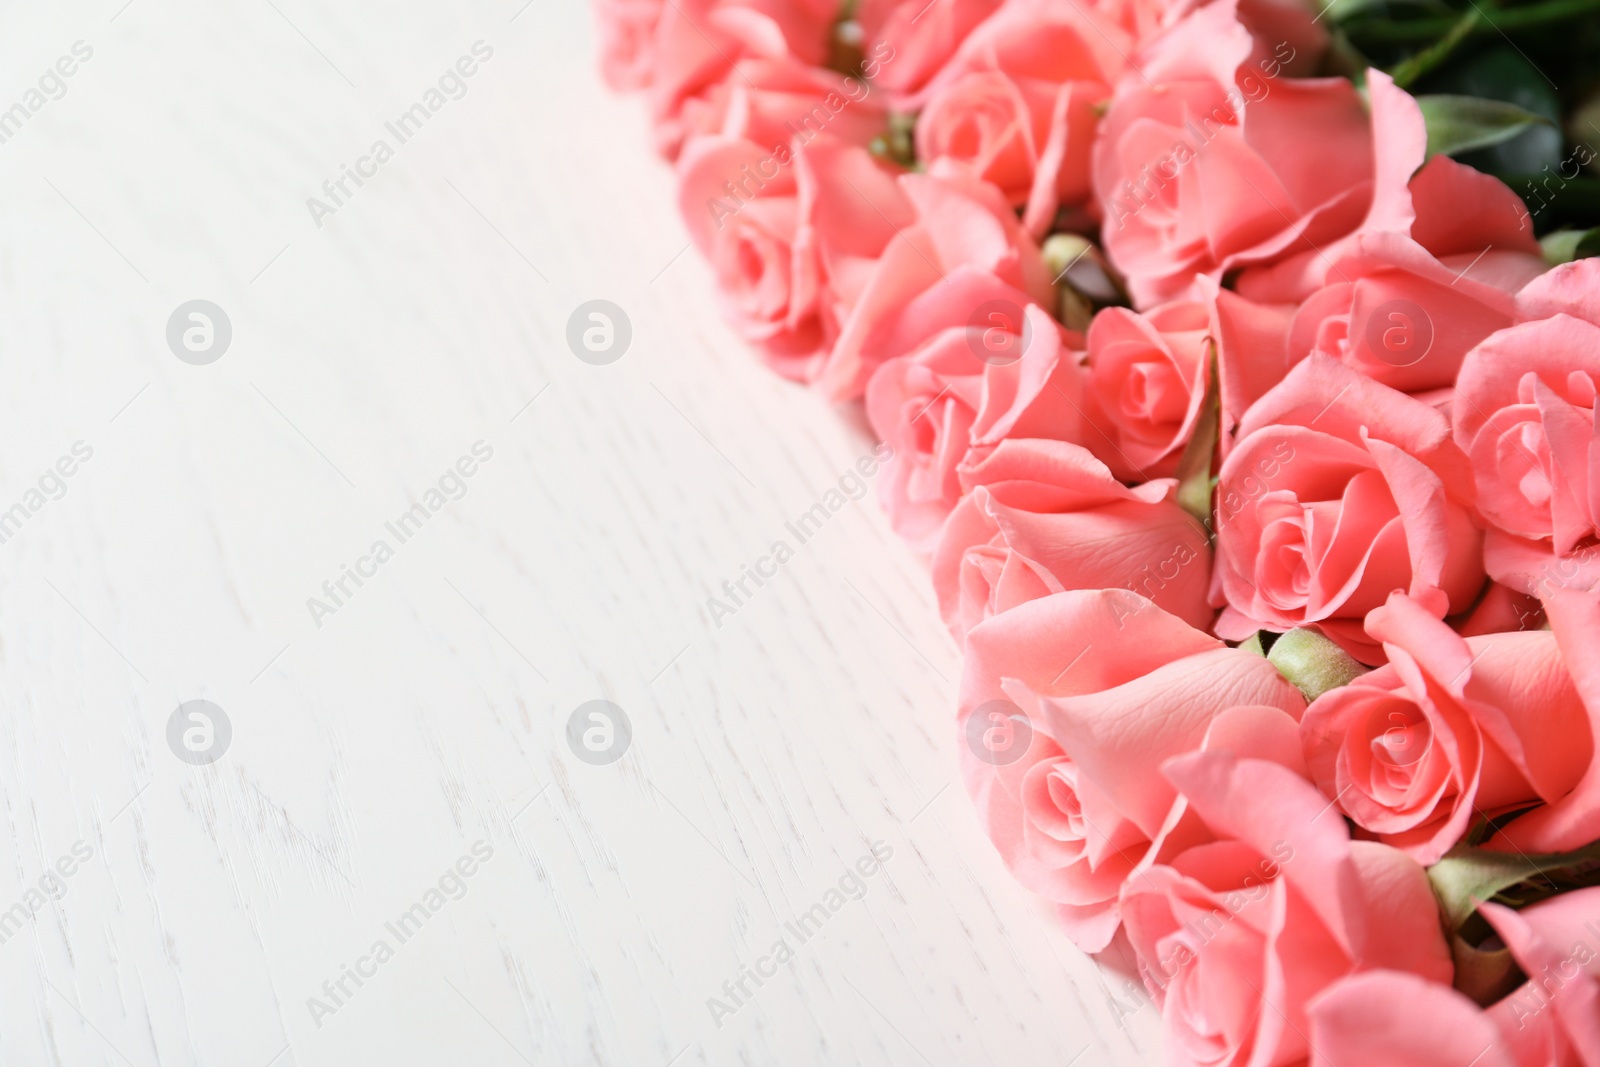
(627, 40)
(1391, 1019)
(1016, 103)
(1209, 161)
(1570, 289)
(1111, 685)
(1045, 516)
(773, 101)
(1525, 416)
(1234, 936)
(1148, 377)
(942, 404)
(1339, 491)
(792, 237)
(922, 35)
(958, 222)
(1287, 21)
(1469, 221)
(1394, 312)
(1554, 1018)
(1573, 820)
(1148, 373)
(1502, 609)
(697, 44)
(1452, 729)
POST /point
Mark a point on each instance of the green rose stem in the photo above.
(1497, 20)
(1313, 663)
(1414, 67)
(1465, 877)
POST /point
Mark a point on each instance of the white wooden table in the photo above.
(211, 907)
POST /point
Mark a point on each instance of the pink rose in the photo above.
(1570, 289)
(792, 237)
(1339, 491)
(1042, 516)
(1148, 373)
(959, 221)
(1107, 685)
(698, 44)
(1502, 610)
(1398, 315)
(1469, 221)
(627, 41)
(1573, 820)
(1141, 20)
(1452, 729)
(1289, 22)
(920, 35)
(944, 403)
(1553, 1019)
(1394, 1019)
(1389, 1019)
(1017, 101)
(1208, 161)
(1526, 418)
(776, 101)
(1233, 937)
(1148, 376)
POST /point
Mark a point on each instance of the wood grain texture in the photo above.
(369, 753)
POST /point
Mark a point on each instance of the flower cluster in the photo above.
(1253, 442)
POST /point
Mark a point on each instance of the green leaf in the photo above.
(1564, 246)
(1497, 71)
(1463, 123)
(1466, 876)
(1195, 483)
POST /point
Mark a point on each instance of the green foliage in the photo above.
(1509, 87)
(1458, 124)
(1500, 74)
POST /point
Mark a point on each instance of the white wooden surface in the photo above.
(429, 712)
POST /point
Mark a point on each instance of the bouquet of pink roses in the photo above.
(1240, 363)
